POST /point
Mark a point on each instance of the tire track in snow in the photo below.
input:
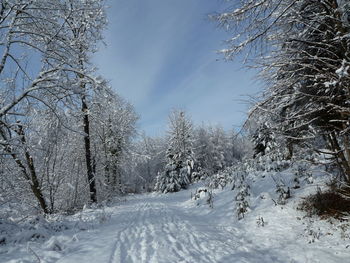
(119, 250)
(158, 227)
(154, 230)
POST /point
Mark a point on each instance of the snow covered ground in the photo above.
(173, 228)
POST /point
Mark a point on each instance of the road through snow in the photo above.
(151, 228)
(171, 228)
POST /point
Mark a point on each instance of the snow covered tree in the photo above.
(263, 140)
(302, 48)
(215, 150)
(203, 149)
(85, 29)
(219, 141)
(112, 125)
(242, 189)
(41, 34)
(149, 160)
(238, 147)
(180, 157)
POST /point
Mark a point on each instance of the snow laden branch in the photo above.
(49, 43)
(303, 51)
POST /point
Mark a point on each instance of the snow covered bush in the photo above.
(203, 193)
(199, 175)
(222, 178)
(302, 174)
(260, 221)
(242, 190)
(282, 190)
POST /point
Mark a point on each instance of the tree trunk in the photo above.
(35, 185)
(343, 163)
(290, 148)
(32, 176)
(347, 156)
(88, 159)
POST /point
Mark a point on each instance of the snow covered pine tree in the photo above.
(180, 160)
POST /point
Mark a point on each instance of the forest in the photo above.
(73, 158)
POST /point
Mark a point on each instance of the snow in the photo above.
(328, 84)
(175, 228)
(343, 70)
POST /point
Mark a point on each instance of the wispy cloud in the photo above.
(160, 55)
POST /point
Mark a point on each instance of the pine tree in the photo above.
(180, 157)
(172, 179)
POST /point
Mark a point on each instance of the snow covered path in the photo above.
(148, 229)
(171, 228)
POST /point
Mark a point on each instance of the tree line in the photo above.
(66, 138)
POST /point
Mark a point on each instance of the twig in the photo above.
(34, 254)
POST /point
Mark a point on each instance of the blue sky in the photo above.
(161, 55)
